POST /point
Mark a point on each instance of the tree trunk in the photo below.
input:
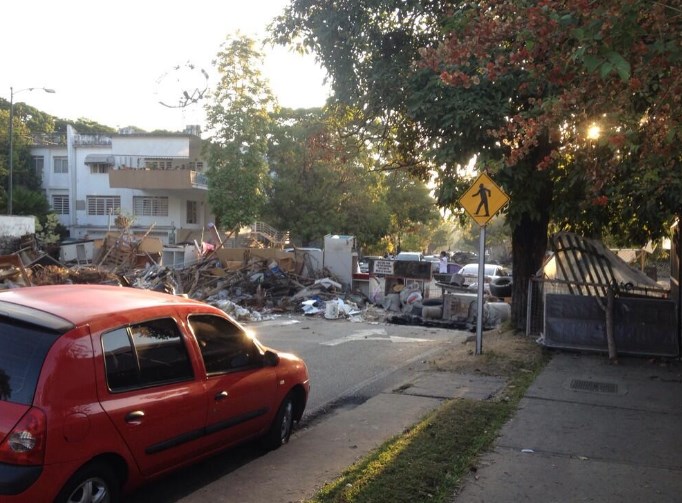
(529, 238)
(529, 243)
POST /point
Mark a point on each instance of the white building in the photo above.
(155, 179)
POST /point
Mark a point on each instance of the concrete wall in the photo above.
(15, 227)
(12, 229)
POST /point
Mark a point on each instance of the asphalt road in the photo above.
(348, 362)
(347, 359)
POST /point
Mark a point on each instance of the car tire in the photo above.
(281, 427)
(93, 483)
(501, 287)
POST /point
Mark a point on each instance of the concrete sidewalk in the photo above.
(589, 431)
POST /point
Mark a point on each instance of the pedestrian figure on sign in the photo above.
(483, 193)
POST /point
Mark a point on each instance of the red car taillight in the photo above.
(25, 444)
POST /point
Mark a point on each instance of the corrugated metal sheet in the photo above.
(587, 267)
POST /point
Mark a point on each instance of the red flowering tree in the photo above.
(594, 115)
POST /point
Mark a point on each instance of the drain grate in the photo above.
(595, 386)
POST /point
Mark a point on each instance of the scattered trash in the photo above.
(332, 310)
(250, 284)
(311, 307)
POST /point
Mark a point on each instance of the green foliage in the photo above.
(84, 126)
(29, 202)
(414, 215)
(28, 198)
(239, 122)
(48, 230)
(322, 180)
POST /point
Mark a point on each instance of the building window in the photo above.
(96, 169)
(192, 214)
(148, 206)
(60, 204)
(38, 164)
(103, 205)
(61, 165)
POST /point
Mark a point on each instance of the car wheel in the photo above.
(281, 427)
(93, 483)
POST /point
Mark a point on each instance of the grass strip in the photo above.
(428, 461)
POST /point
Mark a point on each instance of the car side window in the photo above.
(145, 354)
(224, 346)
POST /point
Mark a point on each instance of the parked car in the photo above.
(435, 262)
(103, 388)
(414, 256)
(492, 274)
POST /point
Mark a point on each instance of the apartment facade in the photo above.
(157, 181)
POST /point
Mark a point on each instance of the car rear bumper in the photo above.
(15, 479)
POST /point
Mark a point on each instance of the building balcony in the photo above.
(157, 179)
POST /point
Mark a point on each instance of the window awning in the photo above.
(99, 159)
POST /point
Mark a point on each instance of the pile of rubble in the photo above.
(248, 284)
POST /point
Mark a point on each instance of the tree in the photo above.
(239, 122)
(322, 180)
(511, 82)
(30, 202)
(27, 121)
(414, 216)
(568, 64)
(84, 126)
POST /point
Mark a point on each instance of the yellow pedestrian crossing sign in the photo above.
(483, 199)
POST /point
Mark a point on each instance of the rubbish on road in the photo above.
(250, 284)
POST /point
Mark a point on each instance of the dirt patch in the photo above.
(505, 351)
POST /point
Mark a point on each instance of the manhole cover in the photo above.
(595, 386)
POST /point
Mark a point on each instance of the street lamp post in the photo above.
(11, 137)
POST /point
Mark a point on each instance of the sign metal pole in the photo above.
(479, 297)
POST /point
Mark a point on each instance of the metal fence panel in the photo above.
(642, 326)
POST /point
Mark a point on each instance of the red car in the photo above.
(103, 388)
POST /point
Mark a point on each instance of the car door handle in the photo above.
(133, 416)
(221, 395)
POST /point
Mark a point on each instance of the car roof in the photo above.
(78, 304)
(410, 254)
(485, 266)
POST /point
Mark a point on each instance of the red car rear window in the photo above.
(24, 347)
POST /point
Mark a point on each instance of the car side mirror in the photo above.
(271, 358)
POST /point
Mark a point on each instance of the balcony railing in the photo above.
(48, 140)
(82, 140)
(157, 179)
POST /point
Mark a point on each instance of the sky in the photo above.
(116, 62)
